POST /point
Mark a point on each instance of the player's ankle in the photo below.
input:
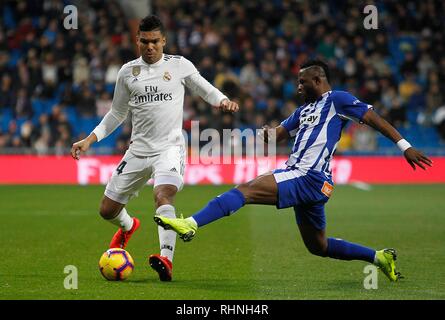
(193, 221)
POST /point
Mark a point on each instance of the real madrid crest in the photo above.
(136, 71)
(167, 76)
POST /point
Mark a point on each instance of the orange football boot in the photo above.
(162, 266)
(121, 238)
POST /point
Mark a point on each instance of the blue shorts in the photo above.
(307, 193)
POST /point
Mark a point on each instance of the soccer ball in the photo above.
(116, 264)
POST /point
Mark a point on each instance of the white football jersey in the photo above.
(155, 95)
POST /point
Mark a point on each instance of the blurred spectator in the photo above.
(363, 138)
(425, 65)
(103, 104)
(23, 75)
(389, 98)
(409, 65)
(345, 142)
(397, 113)
(408, 87)
(434, 99)
(247, 112)
(59, 126)
(439, 121)
(248, 76)
(22, 105)
(3, 140)
(272, 110)
(67, 96)
(42, 143)
(81, 71)
(26, 133)
(7, 96)
(112, 70)
(12, 133)
(49, 70)
(126, 51)
(35, 70)
(86, 102)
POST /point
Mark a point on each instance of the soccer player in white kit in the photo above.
(152, 88)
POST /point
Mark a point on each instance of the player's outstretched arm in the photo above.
(200, 86)
(82, 146)
(413, 156)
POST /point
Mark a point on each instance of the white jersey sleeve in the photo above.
(187, 67)
(199, 85)
(119, 109)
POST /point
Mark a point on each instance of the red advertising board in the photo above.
(97, 170)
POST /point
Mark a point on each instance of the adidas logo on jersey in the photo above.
(173, 170)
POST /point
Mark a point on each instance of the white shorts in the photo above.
(133, 172)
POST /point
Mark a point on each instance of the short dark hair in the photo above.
(151, 23)
(317, 63)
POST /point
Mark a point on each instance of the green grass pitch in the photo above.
(255, 254)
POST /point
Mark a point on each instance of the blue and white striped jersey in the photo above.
(317, 129)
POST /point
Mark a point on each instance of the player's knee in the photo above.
(318, 249)
(160, 201)
(162, 197)
(246, 190)
(107, 211)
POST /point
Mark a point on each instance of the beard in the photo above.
(300, 99)
(310, 95)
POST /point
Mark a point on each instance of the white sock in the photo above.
(167, 238)
(123, 220)
(192, 220)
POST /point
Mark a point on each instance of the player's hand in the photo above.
(415, 157)
(78, 147)
(229, 106)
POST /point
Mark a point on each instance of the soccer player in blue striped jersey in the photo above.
(306, 183)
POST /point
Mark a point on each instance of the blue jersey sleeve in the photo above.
(292, 123)
(349, 106)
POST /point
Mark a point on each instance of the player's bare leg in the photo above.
(116, 213)
(109, 209)
(261, 190)
(314, 239)
(164, 196)
(316, 242)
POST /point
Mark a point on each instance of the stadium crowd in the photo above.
(56, 84)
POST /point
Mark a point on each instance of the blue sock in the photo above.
(223, 205)
(344, 250)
